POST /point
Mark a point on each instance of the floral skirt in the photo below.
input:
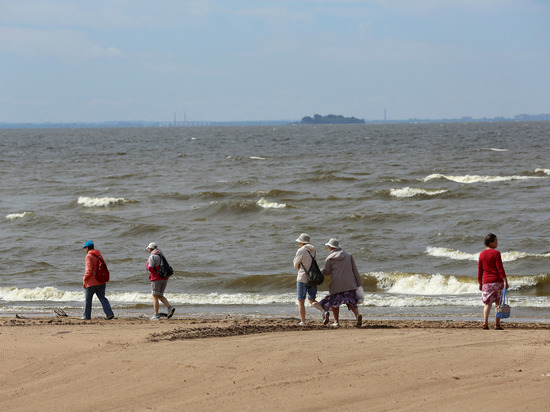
(490, 292)
(335, 300)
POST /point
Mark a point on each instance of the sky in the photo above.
(260, 60)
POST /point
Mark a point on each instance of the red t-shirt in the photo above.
(489, 267)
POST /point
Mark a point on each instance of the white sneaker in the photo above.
(155, 317)
(336, 325)
(302, 324)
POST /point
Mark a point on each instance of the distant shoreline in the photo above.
(120, 124)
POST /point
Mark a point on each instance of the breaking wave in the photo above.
(101, 201)
(469, 179)
(411, 192)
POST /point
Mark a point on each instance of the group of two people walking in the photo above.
(344, 281)
(94, 284)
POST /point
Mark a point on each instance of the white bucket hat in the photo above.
(304, 238)
(151, 245)
(333, 243)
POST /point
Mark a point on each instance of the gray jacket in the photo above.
(342, 270)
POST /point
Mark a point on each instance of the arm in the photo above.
(480, 273)
(297, 259)
(90, 268)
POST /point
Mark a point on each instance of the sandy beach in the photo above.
(133, 364)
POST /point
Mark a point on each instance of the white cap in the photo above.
(151, 245)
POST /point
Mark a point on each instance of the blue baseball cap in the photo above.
(88, 244)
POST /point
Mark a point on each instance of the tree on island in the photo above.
(330, 119)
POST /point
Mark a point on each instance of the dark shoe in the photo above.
(110, 317)
(359, 321)
(171, 311)
(498, 327)
(485, 326)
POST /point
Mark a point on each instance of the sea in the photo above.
(411, 202)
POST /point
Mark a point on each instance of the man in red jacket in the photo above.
(93, 285)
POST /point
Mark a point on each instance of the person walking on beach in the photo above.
(302, 260)
(491, 277)
(344, 281)
(158, 284)
(93, 285)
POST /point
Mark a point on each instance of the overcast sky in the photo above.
(233, 60)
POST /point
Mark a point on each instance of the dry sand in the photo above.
(133, 364)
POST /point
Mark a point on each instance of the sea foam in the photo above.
(101, 201)
(411, 191)
(469, 179)
(458, 255)
(266, 204)
(14, 216)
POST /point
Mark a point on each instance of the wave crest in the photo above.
(411, 192)
(469, 179)
(101, 201)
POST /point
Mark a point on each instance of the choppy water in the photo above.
(411, 202)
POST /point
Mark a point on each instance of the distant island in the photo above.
(330, 119)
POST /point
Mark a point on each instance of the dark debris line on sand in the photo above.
(268, 326)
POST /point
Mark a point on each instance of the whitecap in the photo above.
(257, 158)
(411, 192)
(469, 179)
(14, 216)
(540, 170)
(458, 255)
(101, 201)
(266, 204)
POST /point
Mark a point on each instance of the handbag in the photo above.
(503, 309)
(359, 295)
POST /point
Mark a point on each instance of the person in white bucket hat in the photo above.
(344, 282)
(303, 259)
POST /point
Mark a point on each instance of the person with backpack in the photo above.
(302, 260)
(344, 282)
(96, 276)
(159, 279)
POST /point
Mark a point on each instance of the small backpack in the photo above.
(314, 274)
(165, 270)
(102, 274)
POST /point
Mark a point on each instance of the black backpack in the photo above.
(165, 270)
(314, 274)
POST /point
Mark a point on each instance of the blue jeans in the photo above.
(303, 288)
(98, 290)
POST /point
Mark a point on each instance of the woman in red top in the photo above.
(491, 277)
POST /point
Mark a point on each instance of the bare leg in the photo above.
(336, 313)
(486, 312)
(302, 309)
(316, 305)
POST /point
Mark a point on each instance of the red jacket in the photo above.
(489, 267)
(92, 265)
